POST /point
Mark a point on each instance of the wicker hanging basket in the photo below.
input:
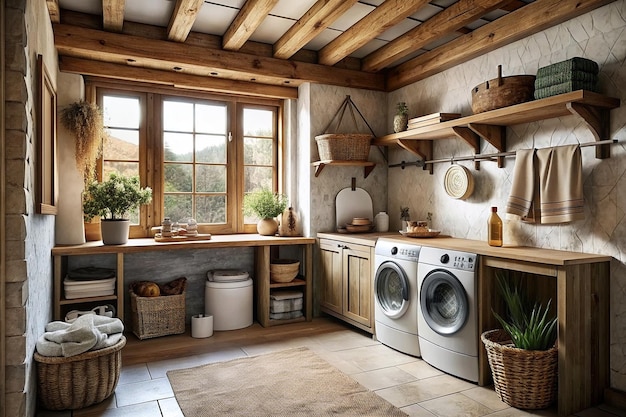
(522, 378)
(344, 146)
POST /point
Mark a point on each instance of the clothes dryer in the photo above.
(448, 311)
(396, 296)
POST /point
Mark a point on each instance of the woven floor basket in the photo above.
(157, 316)
(522, 378)
(78, 381)
(343, 146)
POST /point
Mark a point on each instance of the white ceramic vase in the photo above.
(114, 231)
(267, 227)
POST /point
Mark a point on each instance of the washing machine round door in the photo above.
(444, 302)
(392, 289)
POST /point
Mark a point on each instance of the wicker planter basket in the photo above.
(284, 270)
(78, 381)
(157, 316)
(522, 378)
(343, 146)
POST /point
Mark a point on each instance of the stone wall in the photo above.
(30, 236)
(598, 35)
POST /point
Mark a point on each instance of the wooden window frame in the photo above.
(46, 190)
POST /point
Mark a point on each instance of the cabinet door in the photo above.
(330, 275)
(357, 284)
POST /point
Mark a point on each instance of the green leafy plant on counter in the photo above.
(115, 197)
(530, 325)
(264, 204)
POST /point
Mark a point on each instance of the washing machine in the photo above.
(448, 311)
(228, 298)
(395, 295)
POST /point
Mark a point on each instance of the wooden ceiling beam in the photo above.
(445, 22)
(512, 5)
(528, 20)
(158, 54)
(184, 81)
(246, 22)
(113, 15)
(376, 22)
(311, 24)
(53, 10)
(182, 19)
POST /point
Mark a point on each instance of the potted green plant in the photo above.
(112, 200)
(523, 355)
(266, 205)
(401, 119)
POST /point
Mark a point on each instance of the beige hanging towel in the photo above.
(559, 172)
(523, 187)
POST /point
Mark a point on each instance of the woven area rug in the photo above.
(294, 382)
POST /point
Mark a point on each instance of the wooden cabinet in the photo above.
(346, 282)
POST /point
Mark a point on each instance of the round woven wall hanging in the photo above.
(458, 182)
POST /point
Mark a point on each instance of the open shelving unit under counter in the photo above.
(592, 108)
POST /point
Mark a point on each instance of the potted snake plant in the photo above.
(523, 354)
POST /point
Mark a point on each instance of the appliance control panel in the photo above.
(397, 250)
(464, 262)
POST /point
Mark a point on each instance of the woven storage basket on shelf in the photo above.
(78, 381)
(157, 316)
(284, 270)
(522, 378)
(343, 146)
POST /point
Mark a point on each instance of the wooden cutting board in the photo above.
(352, 203)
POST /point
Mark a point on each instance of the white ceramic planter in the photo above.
(114, 232)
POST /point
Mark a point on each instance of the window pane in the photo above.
(178, 147)
(258, 151)
(211, 119)
(211, 149)
(178, 116)
(178, 178)
(177, 206)
(122, 145)
(127, 169)
(257, 178)
(211, 209)
(210, 178)
(121, 112)
(258, 122)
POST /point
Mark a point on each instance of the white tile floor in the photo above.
(407, 382)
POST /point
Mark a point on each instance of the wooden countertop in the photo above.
(367, 239)
(149, 244)
(522, 253)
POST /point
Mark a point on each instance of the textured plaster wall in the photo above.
(30, 236)
(600, 36)
(323, 103)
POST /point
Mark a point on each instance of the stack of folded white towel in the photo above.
(87, 332)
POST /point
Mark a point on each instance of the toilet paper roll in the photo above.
(201, 326)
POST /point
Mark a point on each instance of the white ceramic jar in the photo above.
(381, 222)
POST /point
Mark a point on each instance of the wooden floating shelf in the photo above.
(367, 165)
(592, 108)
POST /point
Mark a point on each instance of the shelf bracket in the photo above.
(367, 165)
(318, 169)
(597, 121)
(421, 148)
(495, 135)
(471, 138)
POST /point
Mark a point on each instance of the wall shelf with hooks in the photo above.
(592, 108)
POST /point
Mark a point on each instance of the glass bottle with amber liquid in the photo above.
(494, 228)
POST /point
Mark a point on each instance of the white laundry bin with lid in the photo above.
(228, 298)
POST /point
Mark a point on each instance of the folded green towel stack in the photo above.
(566, 76)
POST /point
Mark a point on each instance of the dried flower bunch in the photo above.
(85, 121)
